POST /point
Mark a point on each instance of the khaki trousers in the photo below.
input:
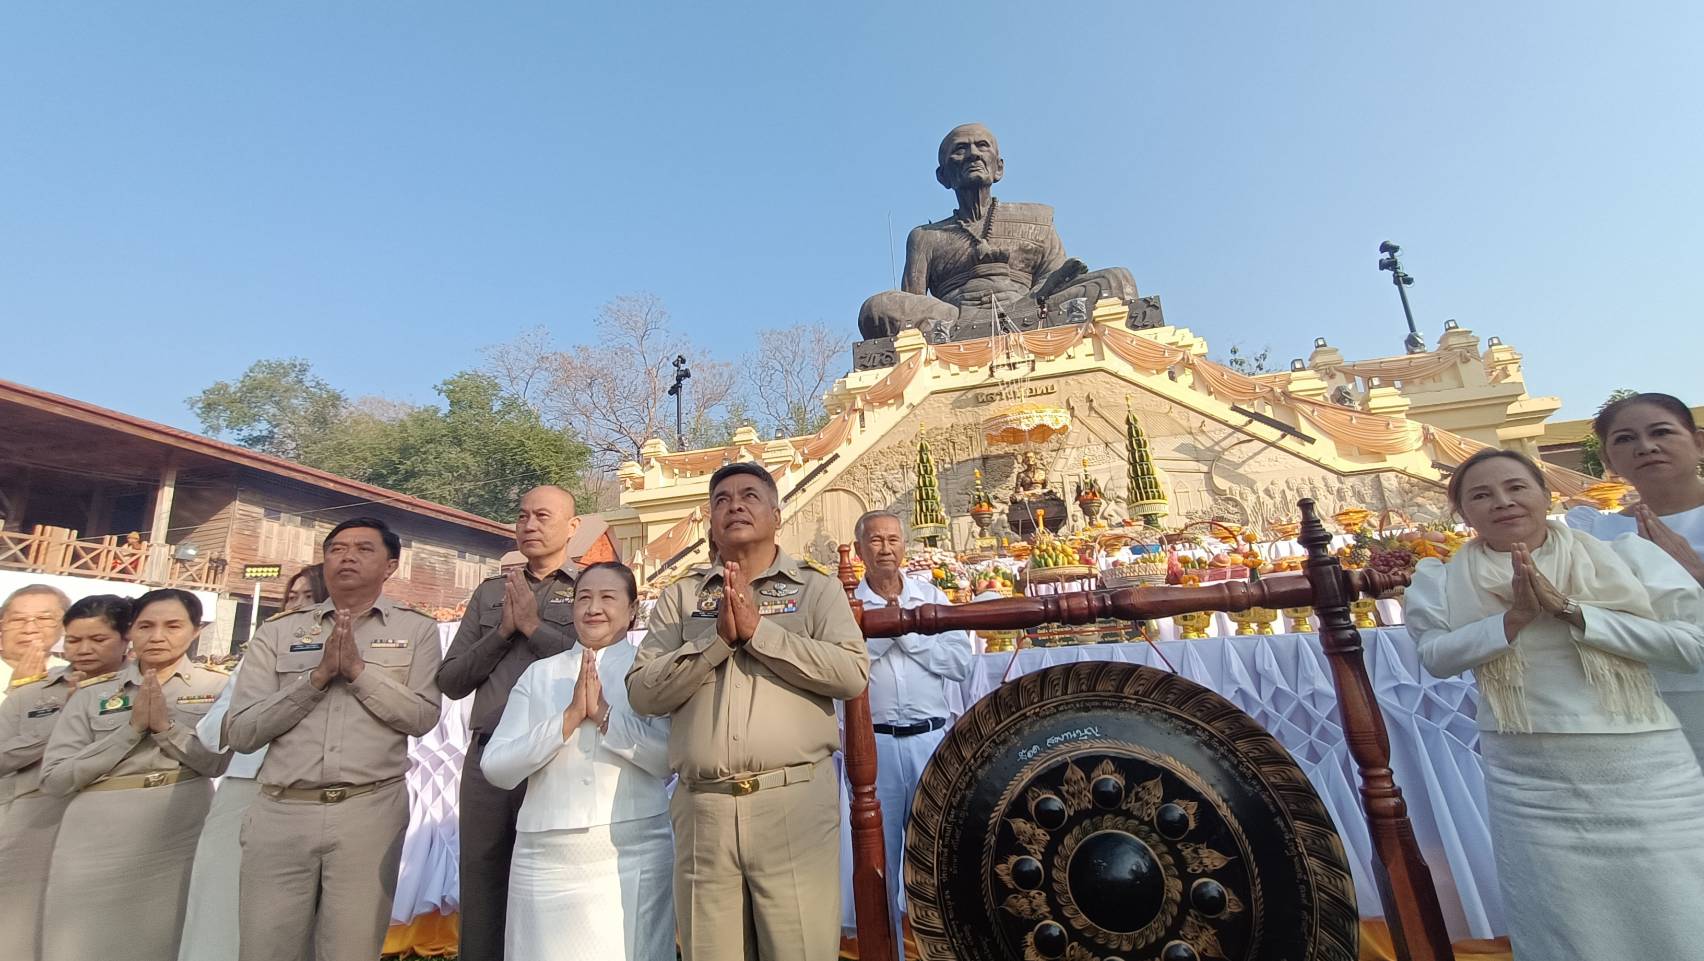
(326, 871)
(27, 831)
(758, 877)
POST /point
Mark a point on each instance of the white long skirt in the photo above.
(210, 922)
(1599, 842)
(603, 893)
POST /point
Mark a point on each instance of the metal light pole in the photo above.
(681, 374)
(1415, 344)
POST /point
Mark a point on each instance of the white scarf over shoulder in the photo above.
(1478, 585)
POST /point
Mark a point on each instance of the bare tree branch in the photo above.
(790, 371)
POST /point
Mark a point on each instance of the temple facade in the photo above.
(1040, 413)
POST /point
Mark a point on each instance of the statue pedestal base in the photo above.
(1021, 514)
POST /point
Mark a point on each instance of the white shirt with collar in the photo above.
(909, 673)
(212, 736)
(591, 778)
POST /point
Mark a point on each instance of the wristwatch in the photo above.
(1571, 608)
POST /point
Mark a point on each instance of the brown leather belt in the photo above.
(325, 795)
(740, 787)
(125, 782)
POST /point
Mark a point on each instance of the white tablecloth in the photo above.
(1284, 682)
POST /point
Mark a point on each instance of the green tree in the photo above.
(479, 452)
(1591, 451)
(276, 407)
(1245, 363)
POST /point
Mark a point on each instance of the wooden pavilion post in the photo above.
(1404, 881)
(869, 855)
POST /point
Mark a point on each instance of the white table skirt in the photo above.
(1284, 682)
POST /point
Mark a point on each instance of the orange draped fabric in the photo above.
(669, 542)
(832, 435)
(1050, 342)
(1369, 432)
(1418, 367)
(1226, 384)
(427, 936)
(1452, 449)
(892, 387)
(1141, 352)
(965, 353)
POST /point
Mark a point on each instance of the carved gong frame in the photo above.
(1112, 812)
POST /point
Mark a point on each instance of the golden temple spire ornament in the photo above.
(1147, 500)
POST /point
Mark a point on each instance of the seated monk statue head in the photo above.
(969, 158)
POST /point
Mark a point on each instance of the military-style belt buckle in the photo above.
(154, 780)
(333, 795)
(747, 786)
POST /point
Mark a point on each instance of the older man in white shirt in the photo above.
(908, 688)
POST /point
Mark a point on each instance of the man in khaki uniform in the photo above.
(29, 627)
(511, 621)
(333, 692)
(749, 657)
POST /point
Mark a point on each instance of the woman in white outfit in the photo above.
(210, 924)
(1653, 442)
(1596, 801)
(592, 874)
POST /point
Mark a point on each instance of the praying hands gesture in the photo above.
(1533, 595)
(34, 661)
(737, 621)
(588, 703)
(1652, 528)
(148, 710)
(341, 656)
(520, 606)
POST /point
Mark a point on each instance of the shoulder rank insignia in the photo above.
(21, 681)
(98, 678)
(819, 567)
(277, 616)
(118, 702)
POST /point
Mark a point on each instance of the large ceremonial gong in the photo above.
(1110, 812)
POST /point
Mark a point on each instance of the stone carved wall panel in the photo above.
(1208, 469)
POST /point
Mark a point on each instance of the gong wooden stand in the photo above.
(1404, 881)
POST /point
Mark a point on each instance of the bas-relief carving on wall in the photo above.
(1208, 469)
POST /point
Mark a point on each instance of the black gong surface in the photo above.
(1109, 812)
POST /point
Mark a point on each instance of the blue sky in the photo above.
(384, 188)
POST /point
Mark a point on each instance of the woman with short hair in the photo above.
(94, 645)
(1596, 801)
(125, 753)
(593, 870)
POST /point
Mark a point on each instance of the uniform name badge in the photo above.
(306, 647)
(118, 702)
(46, 710)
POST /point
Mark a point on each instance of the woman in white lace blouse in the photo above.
(593, 868)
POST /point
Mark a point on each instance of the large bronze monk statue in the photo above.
(988, 254)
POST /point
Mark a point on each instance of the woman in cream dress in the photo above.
(1596, 801)
(592, 875)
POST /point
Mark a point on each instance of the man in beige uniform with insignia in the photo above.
(29, 627)
(333, 692)
(511, 621)
(749, 657)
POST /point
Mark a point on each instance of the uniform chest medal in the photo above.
(562, 596)
(392, 644)
(709, 603)
(118, 702)
(783, 598)
(197, 698)
(306, 646)
(777, 607)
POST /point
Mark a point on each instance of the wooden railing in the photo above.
(1405, 883)
(58, 550)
